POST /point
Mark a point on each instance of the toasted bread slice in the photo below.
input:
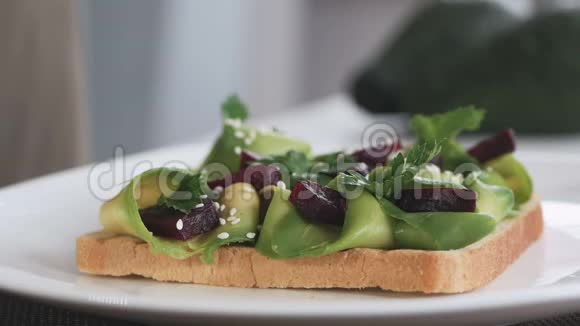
(454, 271)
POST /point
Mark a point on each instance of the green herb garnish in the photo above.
(187, 194)
(445, 128)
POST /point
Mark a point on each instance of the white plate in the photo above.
(40, 220)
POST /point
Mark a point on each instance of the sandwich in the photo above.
(263, 211)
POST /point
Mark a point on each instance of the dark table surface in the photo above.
(19, 311)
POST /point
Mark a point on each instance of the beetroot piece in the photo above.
(377, 155)
(258, 176)
(502, 143)
(247, 157)
(164, 221)
(437, 200)
(318, 204)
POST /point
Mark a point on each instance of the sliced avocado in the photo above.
(285, 234)
(491, 177)
(409, 237)
(515, 175)
(437, 230)
(441, 230)
(366, 226)
(226, 148)
(242, 201)
(496, 201)
(274, 143)
(241, 214)
(121, 214)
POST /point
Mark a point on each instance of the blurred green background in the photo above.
(524, 71)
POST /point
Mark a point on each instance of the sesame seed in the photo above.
(218, 189)
(231, 218)
(239, 134)
(223, 207)
(236, 221)
(281, 184)
(250, 235)
(248, 141)
(222, 221)
(200, 205)
(216, 205)
(233, 211)
(223, 235)
(237, 150)
(179, 224)
(204, 196)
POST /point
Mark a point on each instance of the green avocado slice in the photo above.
(121, 215)
(285, 234)
(227, 148)
(438, 230)
(365, 226)
(516, 177)
(237, 136)
(492, 199)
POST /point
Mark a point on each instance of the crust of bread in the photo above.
(454, 271)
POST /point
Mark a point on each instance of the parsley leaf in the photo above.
(353, 178)
(234, 109)
(402, 170)
(224, 149)
(294, 163)
(446, 125)
(187, 194)
(333, 163)
(387, 182)
(321, 169)
(444, 128)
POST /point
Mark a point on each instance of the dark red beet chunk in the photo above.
(247, 157)
(502, 143)
(318, 204)
(437, 200)
(164, 221)
(377, 155)
(259, 176)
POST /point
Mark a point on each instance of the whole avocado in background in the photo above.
(433, 42)
(526, 74)
(527, 78)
